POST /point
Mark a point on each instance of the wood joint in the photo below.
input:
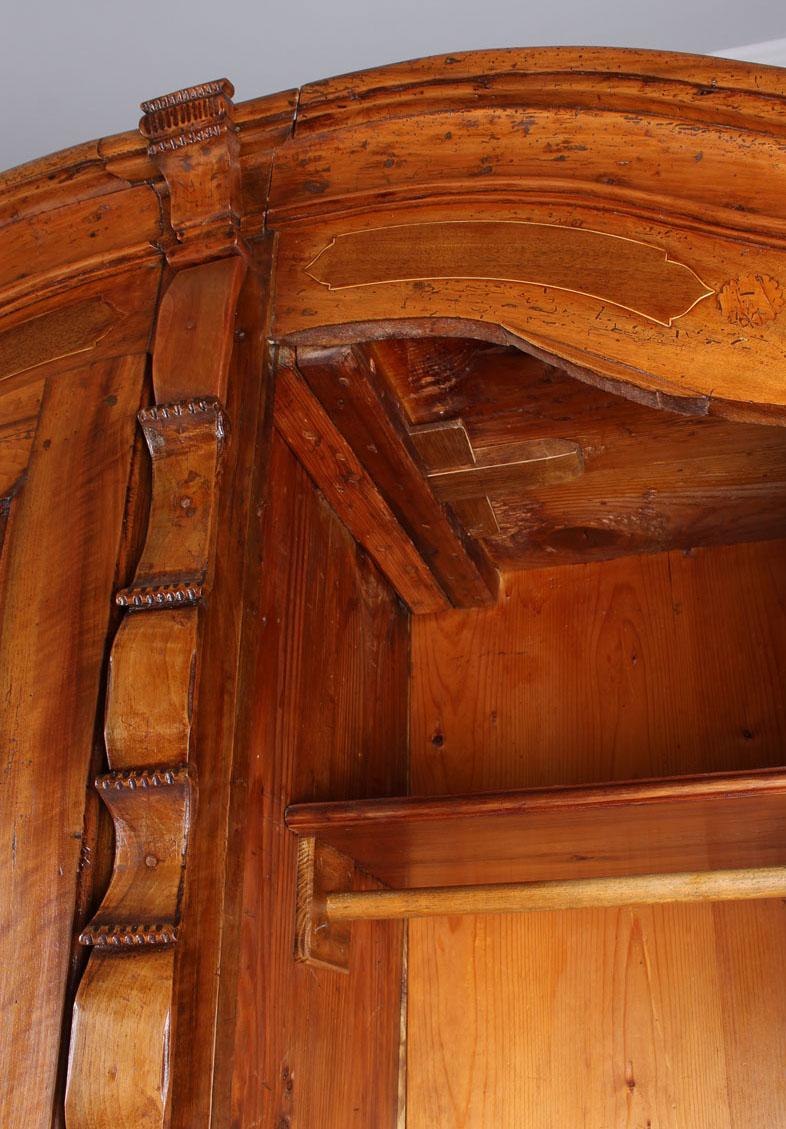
(468, 478)
(321, 870)
(349, 385)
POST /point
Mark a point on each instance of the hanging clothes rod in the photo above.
(579, 893)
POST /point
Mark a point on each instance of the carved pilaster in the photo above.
(150, 790)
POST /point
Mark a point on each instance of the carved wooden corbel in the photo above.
(185, 442)
(150, 808)
(193, 140)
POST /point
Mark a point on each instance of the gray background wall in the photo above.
(72, 70)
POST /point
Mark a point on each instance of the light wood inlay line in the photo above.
(636, 276)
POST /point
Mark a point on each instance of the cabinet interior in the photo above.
(617, 711)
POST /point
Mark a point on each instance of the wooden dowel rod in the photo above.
(596, 893)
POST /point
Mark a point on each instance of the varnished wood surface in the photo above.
(644, 279)
(325, 709)
(320, 870)
(337, 907)
(150, 790)
(324, 452)
(55, 618)
(694, 823)
(606, 1017)
(207, 951)
(651, 480)
(346, 383)
(669, 1014)
(666, 665)
(196, 319)
(559, 138)
(628, 144)
(163, 718)
(539, 138)
(18, 419)
(540, 75)
(89, 321)
(130, 997)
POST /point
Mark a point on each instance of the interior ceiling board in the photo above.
(653, 479)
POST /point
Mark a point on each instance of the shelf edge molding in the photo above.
(712, 822)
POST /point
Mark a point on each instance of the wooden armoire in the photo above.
(393, 579)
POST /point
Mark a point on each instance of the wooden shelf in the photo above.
(708, 822)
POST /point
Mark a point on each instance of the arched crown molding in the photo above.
(623, 211)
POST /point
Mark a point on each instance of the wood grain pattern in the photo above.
(700, 364)
(53, 248)
(325, 695)
(632, 669)
(685, 823)
(359, 403)
(151, 812)
(131, 998)
(319, 942)
(18, 419)
(148, 705)
(510, 468)
(196, 319)
(584, 668)
(151, 802)
(334, 467)
(680, 1024)
(634, 276)
(585, 139)
(542, 137)
(185, 440)
(668, 663)
(333, 910)
(205, 988)
(79, 467)
(538, 76)
(75, 329)
(652, 480)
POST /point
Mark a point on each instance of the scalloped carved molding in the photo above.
(150, 790)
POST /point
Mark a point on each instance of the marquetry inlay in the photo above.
(635, 276)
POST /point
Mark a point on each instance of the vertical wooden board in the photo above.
(326, 702)
(633, 1017)
(60, 564)
(206, 952)
(18, 417)
(646, 666)
(665, 1017)
(751, 962)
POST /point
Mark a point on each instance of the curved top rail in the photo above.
(623, 211)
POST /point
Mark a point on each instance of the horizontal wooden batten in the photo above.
(696, 823)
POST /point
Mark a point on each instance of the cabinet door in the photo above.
(71, 382)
